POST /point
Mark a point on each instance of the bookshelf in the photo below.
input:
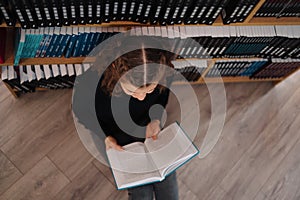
(250, 20)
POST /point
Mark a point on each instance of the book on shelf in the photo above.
(279, 8)
(2, 45)
(6, 13)
(143, 163)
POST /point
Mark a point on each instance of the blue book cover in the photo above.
(57, 45)
(38, 37)
(84, 41)
(55, 38)
(64, 42)
(47, 42)
(44, 32)
(73, 39)
(20, 40)
(76, 49)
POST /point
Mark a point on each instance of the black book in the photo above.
(73, 13)
(31, 13)
(65, 12)
(41, 18)
(147, 10)
(107, 9)
(182, 6)
(229, 11)
(81, 11)
(137, 12)
(20, 13)
(24, 79)
(64, 75)
(90, 11)
(57, 77)
(46, 11)
(13, 80)
(54, 14)
(200, 14)
(157, 9)
(50, 77)
(195, 8)
(217, 11)
(250, 5)
(6, 13)
(17, 81)
(33, 78)
(97, 11)
(212, 7)
(166, 12)
(61, 14)
(115, 5)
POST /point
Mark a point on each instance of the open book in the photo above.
(151, 161)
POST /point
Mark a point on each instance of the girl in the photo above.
(137, 88)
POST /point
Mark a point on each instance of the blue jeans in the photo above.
(167, 189)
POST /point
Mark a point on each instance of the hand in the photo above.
(153, 129)
(111, 142)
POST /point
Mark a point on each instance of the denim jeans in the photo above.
(167, 189)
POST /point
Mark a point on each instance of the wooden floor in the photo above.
(256, 158)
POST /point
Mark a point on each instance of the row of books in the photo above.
(230, 41)
(190, 70)
(59, 41)
(188, 41)
(255, 69)
(27, 78)
(44, 13)
(279, 8)
(237, 10)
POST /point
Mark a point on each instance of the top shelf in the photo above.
(255, 21)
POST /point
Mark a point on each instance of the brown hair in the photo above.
(140, 76)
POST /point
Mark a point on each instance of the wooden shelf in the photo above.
(238, 79)
(49, 61)
(75, 60)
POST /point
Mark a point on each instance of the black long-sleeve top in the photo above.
(138, 110)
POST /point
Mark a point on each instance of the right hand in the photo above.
(111, 142)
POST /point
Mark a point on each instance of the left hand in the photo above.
(153, 129)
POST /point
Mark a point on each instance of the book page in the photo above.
(171, 145)
(125, 180)
(131, 165)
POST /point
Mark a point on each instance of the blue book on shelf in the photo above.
(57, 45)
(55, 38)
(76, 49)
(47, 42)
(84, 41)
(38, 37)
(73, 39)
(19, 44)
(64, 42)
(44, 32)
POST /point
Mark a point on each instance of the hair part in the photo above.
(132, 68)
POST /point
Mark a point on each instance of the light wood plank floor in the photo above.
(256, 157)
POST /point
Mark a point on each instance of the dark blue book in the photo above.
(55, 38)
(65, 42)
(73, 39)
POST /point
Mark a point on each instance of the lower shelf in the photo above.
(229, 80)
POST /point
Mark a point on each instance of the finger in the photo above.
(154, 137)
(117, 147)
